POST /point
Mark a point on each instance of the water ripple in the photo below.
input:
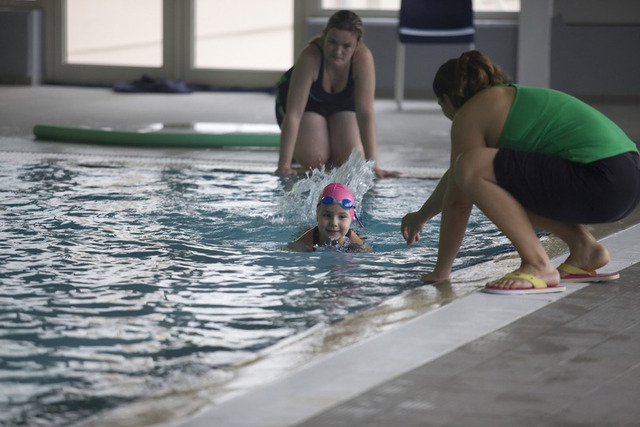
(117, 281)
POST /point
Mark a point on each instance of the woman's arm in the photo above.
(304, 71)
(413, 223)
(455, 215)
(467, 133)
(364, 76)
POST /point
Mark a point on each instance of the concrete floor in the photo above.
(567, 359)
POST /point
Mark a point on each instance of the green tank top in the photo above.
(555, 123)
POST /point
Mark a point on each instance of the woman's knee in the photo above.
(312, 147)
(341, 153)
(473, 166)
(345, 136)
(311, 155)
(465, 170)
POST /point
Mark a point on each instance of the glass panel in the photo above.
(114, 32)
(244, 34)
(496, 5)
(361, 4)
(478, 5)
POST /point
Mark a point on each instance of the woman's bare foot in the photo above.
(547, 274)
(590, 258)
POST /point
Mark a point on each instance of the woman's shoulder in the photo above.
(497, 92)
(314, 48)
(307, 64)
(363, 63)
(311, 54)
(362, 55)
(490, 99)
(485, 113)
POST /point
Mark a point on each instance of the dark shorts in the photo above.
(606, 190)
(325, 109)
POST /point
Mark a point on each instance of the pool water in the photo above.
(122, 277)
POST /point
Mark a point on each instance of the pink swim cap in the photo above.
(338, 192)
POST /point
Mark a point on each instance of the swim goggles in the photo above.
(345, 203)
(330, 201)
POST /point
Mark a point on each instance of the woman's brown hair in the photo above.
(342, 20)
(461, 78)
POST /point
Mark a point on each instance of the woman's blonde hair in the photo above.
(461, 78)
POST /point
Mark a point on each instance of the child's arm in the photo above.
(357, 240)
(303, 244)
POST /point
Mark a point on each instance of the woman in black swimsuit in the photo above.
(324, 103)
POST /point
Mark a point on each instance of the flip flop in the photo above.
(539, 287)
(579, 275)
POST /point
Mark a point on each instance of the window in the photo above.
(478, 5)
(99, 33)
(244, 35)
(361, 4)
(224, 43)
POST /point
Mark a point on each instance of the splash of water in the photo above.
(298, 205)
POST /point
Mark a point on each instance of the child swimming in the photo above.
(335, 213)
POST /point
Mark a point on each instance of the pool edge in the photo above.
(310, 390)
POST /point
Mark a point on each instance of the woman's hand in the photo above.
(411, 226)
(284, 171)
(381, 173)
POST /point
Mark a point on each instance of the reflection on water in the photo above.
(120, 280)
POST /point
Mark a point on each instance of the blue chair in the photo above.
(431, 21)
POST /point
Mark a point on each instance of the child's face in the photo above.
(333, 223)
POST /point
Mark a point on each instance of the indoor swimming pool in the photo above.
(122, 278)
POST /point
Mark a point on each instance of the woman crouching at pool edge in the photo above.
(324, 103)
(335, 213)
(527, 157)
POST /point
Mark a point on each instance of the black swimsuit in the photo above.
(320, 101)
